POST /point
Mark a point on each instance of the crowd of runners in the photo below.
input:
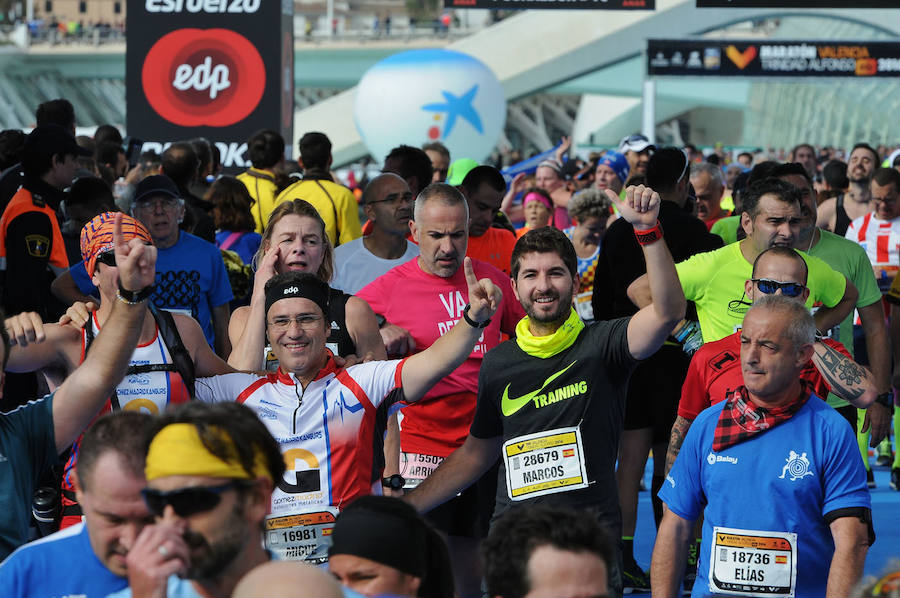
(441, 381)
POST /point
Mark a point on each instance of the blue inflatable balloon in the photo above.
(430, 95)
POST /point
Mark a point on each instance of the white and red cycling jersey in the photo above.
(330, 433)
(881, 240)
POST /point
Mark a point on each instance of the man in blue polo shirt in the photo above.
(88, 559)
(774, 472)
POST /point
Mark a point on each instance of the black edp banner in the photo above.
(220, 69)
(554, 4)
(797, 4)
(776, 58)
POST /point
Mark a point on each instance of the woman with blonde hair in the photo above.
(294, 240)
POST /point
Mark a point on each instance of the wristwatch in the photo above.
(472, 322)
(885, 399)
(394, 482)
(133, 297)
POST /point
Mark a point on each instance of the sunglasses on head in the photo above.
(187, 501)
(108, 258)
(769, 287)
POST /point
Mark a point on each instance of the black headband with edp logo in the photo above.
(302, 285)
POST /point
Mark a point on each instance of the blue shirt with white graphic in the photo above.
(783, 480)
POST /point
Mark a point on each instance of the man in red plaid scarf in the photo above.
(774, 471)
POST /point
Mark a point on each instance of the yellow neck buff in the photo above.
(550, 345)
(178, 450)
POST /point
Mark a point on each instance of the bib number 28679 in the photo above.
(544, 463)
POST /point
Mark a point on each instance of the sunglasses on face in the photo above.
(187, 501)
(770, 287)
(108, 258)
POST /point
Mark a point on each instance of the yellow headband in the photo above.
(178, 450)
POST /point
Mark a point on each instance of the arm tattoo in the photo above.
(844, 376)
(679, 431)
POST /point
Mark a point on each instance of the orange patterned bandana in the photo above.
(97, 236)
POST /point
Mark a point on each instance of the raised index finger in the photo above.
(118, 237)
(470, 273)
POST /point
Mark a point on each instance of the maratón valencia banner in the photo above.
(776, 58)
(550, 4)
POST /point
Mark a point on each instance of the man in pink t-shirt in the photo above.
(420, 301)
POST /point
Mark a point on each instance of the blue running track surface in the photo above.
(885, 515)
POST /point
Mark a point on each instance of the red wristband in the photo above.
(651, 235)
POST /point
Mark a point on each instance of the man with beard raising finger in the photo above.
(551, 402)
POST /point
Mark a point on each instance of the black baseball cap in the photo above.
(50, 140)
(152, 186)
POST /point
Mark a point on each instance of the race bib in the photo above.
(544, 463)
(271, 362)
(415, 467)
(302, 537)
(753, 563)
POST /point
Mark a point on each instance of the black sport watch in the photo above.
(472, 322)
(394, 482)
(134, 297)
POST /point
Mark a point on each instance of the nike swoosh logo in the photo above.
(509, 406)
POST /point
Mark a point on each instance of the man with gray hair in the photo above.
(808, 502)
(190, 273)
(431, 302)
(709, 187)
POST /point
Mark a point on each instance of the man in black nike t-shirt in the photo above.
(551, 401)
